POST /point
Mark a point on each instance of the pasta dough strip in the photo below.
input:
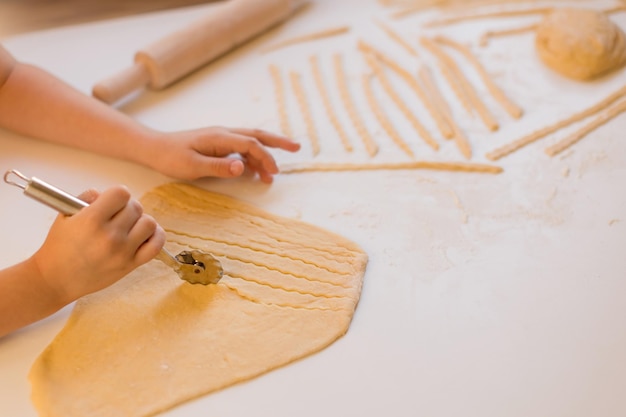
(484, 39)
(463, 84)
(382, 118)
(506, 13)
(454, 83)
(414, 8)
(440, 120)
(279, 91)
(309, 37)
(585, 130)
(396, 37)
(306, 112)
(449, 5)
(487, 15)
(459, 137)
(541, 133)
(416, 165)
(514, 110)
(330, 111)
(616, 9)
(348, 102)
(417, 125)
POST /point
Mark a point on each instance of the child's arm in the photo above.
(82, 254)
(35, 103)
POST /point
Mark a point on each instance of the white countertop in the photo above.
(485, 296)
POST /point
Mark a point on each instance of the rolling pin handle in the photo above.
(121, 84)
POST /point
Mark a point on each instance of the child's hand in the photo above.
(97, 246)
(205, 152)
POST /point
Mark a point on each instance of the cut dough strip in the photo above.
(415, 8)
(488, 15)
(459, 137)
(435, 113)
(298, 89)
(541, 133)
(462, 83)
(436, 98)
(382, 117)
(373, 62)
(585, 130)
(348, 102)
(309, 37)
(464, 5)
(506, 13)
(616, 9)
(279, 90)
(484, 39)
(330, 111)
(451, 78)
(439, 166)
(396, 37)
(514, 110)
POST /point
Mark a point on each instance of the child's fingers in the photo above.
(272, 140)
(149, 237)
(209, 166)
(109, 203)
(125, 219)
(257, 166)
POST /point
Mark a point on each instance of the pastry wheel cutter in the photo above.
(193, 266)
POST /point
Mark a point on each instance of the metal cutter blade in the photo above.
(195, 267)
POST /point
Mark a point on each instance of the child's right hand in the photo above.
(97, 246)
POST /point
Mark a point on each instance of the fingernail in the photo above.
(236, 168)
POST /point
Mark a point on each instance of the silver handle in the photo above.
(45, 193)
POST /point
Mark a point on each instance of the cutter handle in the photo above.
(47, 194)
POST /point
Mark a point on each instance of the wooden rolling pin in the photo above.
(176, 55)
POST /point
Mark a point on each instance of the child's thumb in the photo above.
(89, 196)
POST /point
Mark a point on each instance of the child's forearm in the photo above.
(25, 297)
(37, 104)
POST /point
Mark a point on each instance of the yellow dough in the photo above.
(580, 44)
(152, 341)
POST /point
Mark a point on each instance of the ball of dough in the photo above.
(580, 44)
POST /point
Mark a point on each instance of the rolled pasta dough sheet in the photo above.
(152, 341)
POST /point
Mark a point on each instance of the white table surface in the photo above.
(485, 296)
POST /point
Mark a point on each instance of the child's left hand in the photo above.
(210, 152)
